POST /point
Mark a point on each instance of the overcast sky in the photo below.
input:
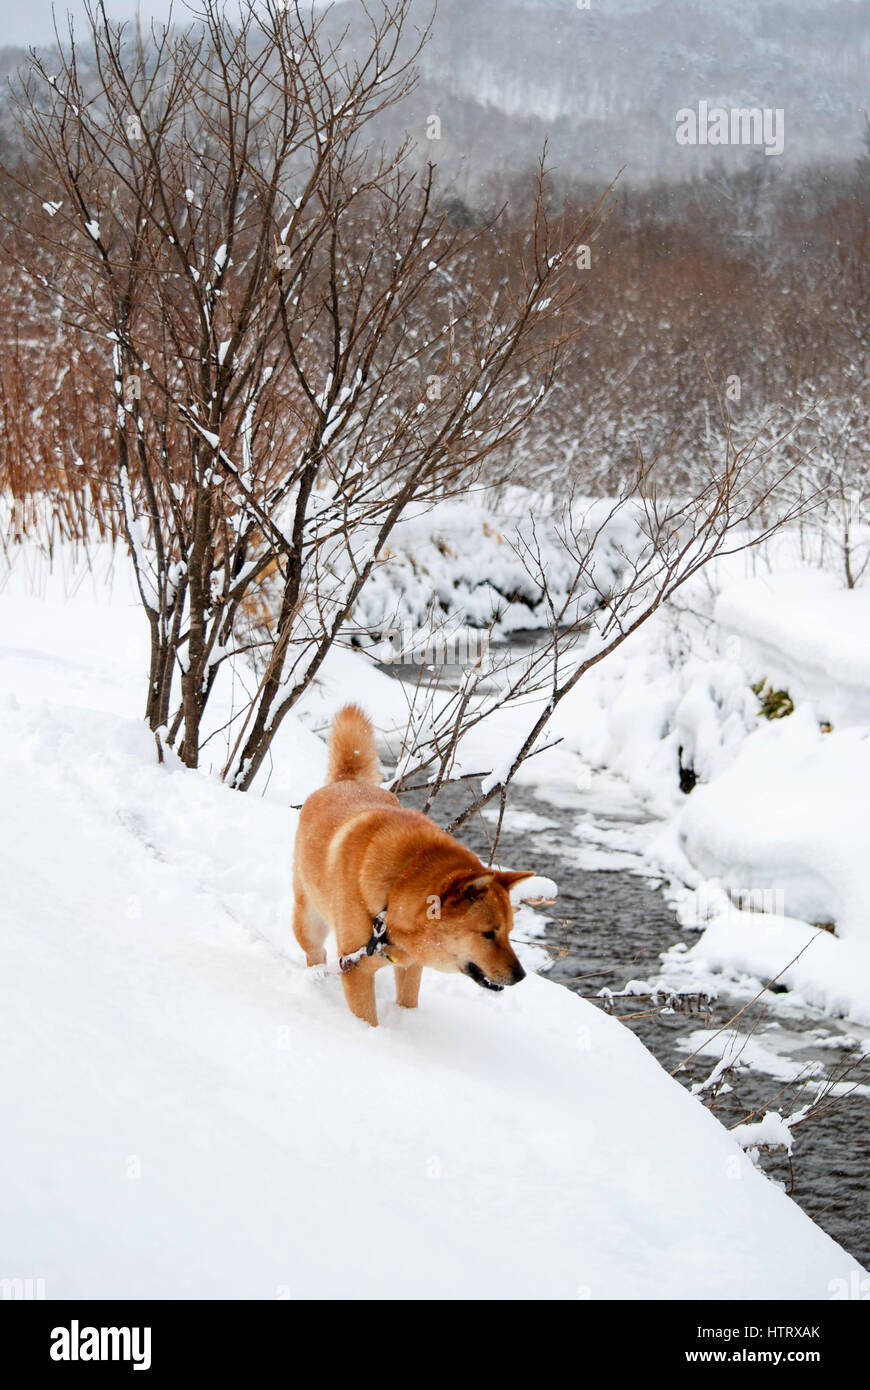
(26, 22)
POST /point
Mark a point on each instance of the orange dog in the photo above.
(392, 886)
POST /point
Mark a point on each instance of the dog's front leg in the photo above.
(359, 991)
(408, 985)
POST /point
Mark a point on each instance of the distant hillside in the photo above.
(603, 85)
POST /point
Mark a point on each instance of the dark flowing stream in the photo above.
(610, 926)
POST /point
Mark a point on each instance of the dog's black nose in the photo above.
(518, 974)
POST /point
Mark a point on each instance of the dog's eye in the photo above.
(490, 935)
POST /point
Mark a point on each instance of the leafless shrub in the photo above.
(292, 343)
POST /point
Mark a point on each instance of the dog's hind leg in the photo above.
(408, 985)
(309, 928)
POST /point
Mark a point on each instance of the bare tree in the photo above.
(295, 343)
(839, 467)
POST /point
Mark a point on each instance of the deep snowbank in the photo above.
(778, 819)
(189, 1112)
(803, 631)
(470, 565)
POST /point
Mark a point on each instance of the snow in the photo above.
(774, 1055)
(771, 1131)
(190, 1113)
(777, 820)
(500, 772)
(464, 559)
(819, 969)
(790, 815)
(808, 635)
(533, 889)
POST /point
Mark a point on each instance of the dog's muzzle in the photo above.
(475, 973)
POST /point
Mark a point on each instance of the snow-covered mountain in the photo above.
(603, 84)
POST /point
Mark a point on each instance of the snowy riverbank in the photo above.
(766, 857)
(767, 854)
(189, 1112)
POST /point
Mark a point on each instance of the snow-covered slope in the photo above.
(187, 1112)
(805, 632)
(602, 82)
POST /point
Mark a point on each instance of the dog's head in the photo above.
(464, 927)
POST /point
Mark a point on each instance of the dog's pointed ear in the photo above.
(507, 878)
(468, 887)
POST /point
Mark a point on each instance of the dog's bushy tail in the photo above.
(352, 753)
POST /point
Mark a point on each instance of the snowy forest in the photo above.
(337, 364)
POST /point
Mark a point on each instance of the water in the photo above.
(612, 927)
